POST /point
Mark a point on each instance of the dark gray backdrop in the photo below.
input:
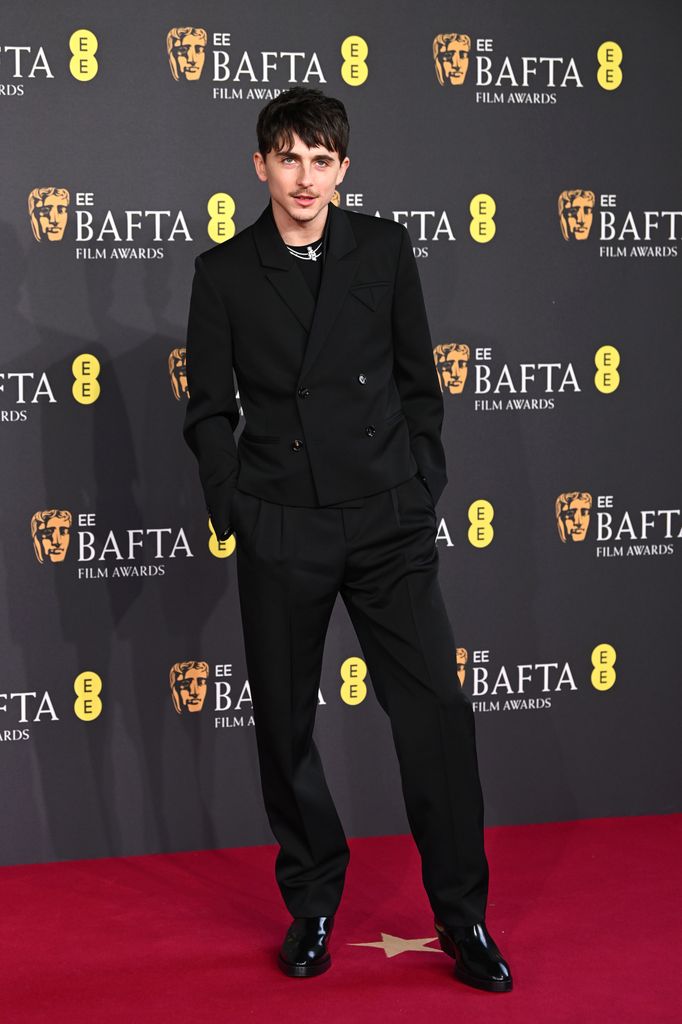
(140, 778)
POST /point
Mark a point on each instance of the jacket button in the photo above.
(362, 378)
(370, 430)
(303, 393)
(296, 444)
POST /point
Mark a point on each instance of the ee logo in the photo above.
(482, 209)
(221, 207)
(220, 548)
(354, 69)
(609, 57)
(85, 369)
(354, 688)
(83, 64)
(603, 673)
(87, 704)
(480, 515)
(607, 378)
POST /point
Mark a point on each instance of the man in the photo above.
(332, 490)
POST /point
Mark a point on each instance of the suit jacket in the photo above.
(341, 397)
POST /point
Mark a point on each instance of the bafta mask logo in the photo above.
(452, 364)
(186, 53)
(188, 683)
(576, 210)
(51, 533)
(177, 369)
(451, 57)
(48, 211)
(572, 512)
(462, 656)
(336, 197)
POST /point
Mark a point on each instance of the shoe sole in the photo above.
(471, 979)
(304, 970)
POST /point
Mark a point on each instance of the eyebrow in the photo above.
(320, 156)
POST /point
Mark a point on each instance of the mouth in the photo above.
(305, 200)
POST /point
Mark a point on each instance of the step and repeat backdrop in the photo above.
(532, 152)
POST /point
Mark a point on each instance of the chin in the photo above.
(304, 215)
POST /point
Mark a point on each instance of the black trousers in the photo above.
(380, 555)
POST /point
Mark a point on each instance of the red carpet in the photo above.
(586, 912)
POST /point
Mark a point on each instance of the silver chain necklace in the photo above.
(309, 254)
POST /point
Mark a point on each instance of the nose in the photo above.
(304, 176)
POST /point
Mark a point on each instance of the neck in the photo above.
(294, 232)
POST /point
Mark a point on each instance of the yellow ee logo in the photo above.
(354, 69)
(221, 209)
(603, 673)
(87, 704)
(609, 56)
(354, 687)
(83, 45)
(220, 548)
(480, 516)
(607, 378)
(482, 209)
(85, 369)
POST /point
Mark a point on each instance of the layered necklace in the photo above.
(311, 253)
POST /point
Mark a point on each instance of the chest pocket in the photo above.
(370, 292)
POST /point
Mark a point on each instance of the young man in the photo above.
(332, 489)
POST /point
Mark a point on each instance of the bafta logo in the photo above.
(451, 57)
(188, 683)
(576, 210)
(48, 212)
(177, 370)
(186, 53)
(572, 511)
(452, 365)
(51, 533)
(462, 657)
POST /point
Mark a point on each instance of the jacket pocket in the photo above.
(370, 292)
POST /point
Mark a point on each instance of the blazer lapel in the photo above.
(282, 273)
(340, 267)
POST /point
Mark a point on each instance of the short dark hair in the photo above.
(318, 119)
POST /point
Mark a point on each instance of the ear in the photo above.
(259, 164)
(345, 163)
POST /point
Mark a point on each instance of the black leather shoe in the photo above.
(478, 961)
(304, 951)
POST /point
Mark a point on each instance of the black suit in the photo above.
(341, 398)
(332, 490)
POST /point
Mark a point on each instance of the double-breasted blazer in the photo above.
(341, 397)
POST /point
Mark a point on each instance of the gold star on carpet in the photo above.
(392, 945)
